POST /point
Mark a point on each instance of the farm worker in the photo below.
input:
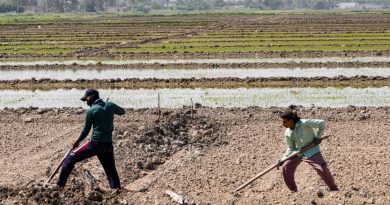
(300, 133)
(100, 115)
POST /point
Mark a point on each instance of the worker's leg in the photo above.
(106, 158)
(83, 152)
(319, 164)
(289, 168)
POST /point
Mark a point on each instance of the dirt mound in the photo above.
(142, 151)
(201, 158)
(228, 82)
(153, 144)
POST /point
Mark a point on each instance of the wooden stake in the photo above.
(192, 108)
(158, 106)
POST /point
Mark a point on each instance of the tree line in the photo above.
(145, 6)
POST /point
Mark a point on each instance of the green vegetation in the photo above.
(253, 49)
(268, 44)
(9, 7)
(136, 36)
(209, 84)
(147, 6)
(38, 52)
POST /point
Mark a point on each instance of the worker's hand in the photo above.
(280, 163)
(317, 141)
(75, 144)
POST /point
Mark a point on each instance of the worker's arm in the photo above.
(86, 129)
(320, 124)
(291, 147)
(118, 110)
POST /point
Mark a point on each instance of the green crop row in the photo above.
(287, 35)
(37, 52)
(71, 38)
(81, 34)
(270, 44)
(230, 39)
(70, 43)
(27, 19)
(42, 47)
(161, 23)
(251, 49)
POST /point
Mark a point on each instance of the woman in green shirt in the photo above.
(300, 133)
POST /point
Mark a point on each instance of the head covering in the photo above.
(90, 92)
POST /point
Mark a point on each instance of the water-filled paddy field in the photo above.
(227, 50)
(74, 74)
(365, 59)
(176, 98)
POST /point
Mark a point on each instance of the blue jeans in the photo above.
(105, 154)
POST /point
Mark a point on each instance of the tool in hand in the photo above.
(281, 162)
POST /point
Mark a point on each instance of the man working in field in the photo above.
(101, 117)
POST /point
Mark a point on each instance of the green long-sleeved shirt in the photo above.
(302, 135)
(101, 116)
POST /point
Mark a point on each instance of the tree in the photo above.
(90, 6)
(217, 3)
(191, 5)
(321, 5)
(273, 4)
(10, 7)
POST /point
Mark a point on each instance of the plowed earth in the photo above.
(152, 83)
(202, 157)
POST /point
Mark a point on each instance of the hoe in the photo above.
(276, 165)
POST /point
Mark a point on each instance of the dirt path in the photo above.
(202, 158)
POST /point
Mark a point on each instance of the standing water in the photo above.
(189, 73)
(175, 98)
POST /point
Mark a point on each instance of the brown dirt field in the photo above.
(203, 158)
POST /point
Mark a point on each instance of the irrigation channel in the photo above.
(175, 98)
(189, 73)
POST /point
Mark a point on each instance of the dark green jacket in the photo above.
(101, 116)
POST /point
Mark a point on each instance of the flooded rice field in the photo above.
(74, 74)
(199, 61)
(176, 98)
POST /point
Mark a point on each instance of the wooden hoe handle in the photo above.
(58, 167)
(276, 165)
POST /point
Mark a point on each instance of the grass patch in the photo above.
(38, 52)
(269, 44)
(209, 84)
(252, 49)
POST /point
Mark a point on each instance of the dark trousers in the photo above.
(105, 154)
